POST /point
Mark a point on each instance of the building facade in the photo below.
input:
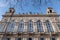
(30, 26)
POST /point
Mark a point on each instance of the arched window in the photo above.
(49, 26)
(39, 26)
(21, 26)
(29, 38)
(30, 26)
(10, 27)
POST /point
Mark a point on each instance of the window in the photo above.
(29, 38)
(50, 11)
(30, 26)
(1, 27)
(49, 26)
(41, 38)
(58, 26)
(5, 38)
(52, 39)
(8, 39)
(11, 26)
(39, 26)
(21, 26)
(18, 38)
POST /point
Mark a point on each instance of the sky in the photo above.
(26, 6)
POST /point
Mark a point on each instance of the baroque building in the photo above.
(30, 26)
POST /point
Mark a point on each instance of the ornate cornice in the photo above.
(31, 15)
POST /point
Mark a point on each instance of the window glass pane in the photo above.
(21, 26)
(49, 26)
(30, 26)
(39, 26)
(11, 26)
